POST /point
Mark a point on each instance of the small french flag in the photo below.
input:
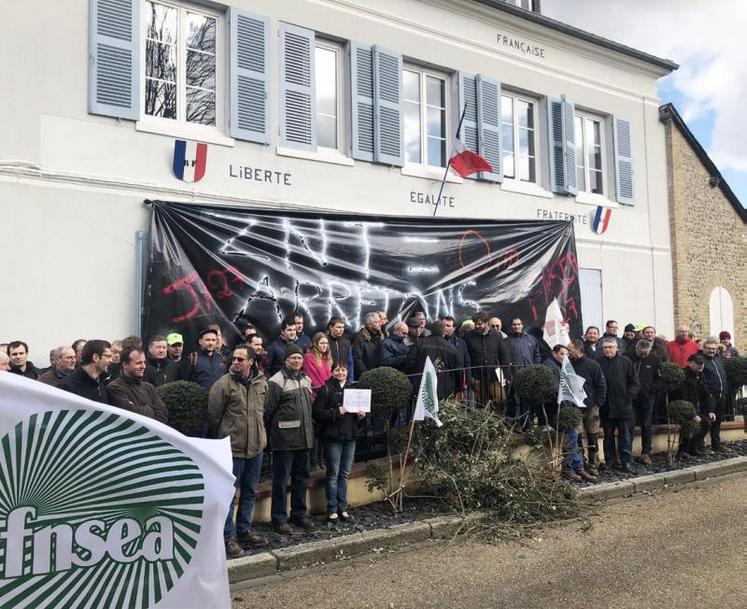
(190, 160)
(601, 219)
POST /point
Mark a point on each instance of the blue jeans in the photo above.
(293, 464)
(644, 409)
(574, 459)
(339, 462)
(247, 479)
(623, 445)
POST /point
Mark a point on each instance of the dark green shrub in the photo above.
(390, 390)
(536, 384)
(187, 404)
(569, 417)
(681, 413)
(672, 377)
(736, 372)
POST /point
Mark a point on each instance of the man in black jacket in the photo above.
(647, 365)
(617, 411)
(596, 393)
(443, 357)
(487, 350)
(339, 347)
(366, 344)
(18, 351)
(130, 392)
(695, 391)
(88, 379)
(715, 377)
(159, 369)
(276, 349)
(393, 351)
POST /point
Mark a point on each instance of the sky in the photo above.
(707, 38)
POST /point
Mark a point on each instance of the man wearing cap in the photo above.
(629, 338)
(235, 409)
(289, 424)
(175, 348)
(159, 368)
(695, 391)
(725, 339)
(414, 332)
(207, 364)
(682, 347)
(64, 364)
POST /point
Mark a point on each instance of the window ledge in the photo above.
(323, 155)
(527, 188)
(588, 198)
(190, 132)
(431, 173)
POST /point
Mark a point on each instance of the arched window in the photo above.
(721, 311)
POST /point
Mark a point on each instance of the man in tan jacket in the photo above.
(235, 408)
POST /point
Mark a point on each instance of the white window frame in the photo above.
(343, 130)
(215, 134)
(423, 169)
(516, 97)
(588, 117)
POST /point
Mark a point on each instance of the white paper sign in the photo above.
(357, 400)
(96, 471)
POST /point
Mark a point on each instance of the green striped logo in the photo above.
(96, 511)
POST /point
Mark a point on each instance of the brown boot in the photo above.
(252, 538)
(586, 475)
(569, 474)
(233, 549)
(645, 458)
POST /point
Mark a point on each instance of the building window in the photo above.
(181, 64)
(328, 57)
(424, 99)
(589, 134)
(519, 133)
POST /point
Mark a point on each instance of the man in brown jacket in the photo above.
(235, 408)
(131, 392)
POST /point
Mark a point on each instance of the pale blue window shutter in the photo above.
(569, 128)
(297, 105)
(467, 94)
(560, 129)
(623, 161)
(388, 138)
(249, 43)
(489, 126)
(361, 101)
(114, 58)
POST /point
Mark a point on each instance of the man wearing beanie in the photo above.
(725, 339)
(289, 424)
(629, 338)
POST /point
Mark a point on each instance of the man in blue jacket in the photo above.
(276, 349)
(715, 377)
(393, 351)
(524, 352)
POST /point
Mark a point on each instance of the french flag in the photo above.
(190, 160)
(463, 160)
(601, 219)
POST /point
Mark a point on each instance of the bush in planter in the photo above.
(536, 384)
(736, 372)
(187, 404)
(672, 377)
(390, 390)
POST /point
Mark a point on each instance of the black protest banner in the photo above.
(226, 265)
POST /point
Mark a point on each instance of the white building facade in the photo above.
(335, 105)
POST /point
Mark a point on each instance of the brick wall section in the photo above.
(709, 242)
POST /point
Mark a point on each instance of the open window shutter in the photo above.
(388, 139)
(297, 106)
(467, 94)
(489, 126)
(249, 41)
(114, 58)
(361, 99)
(623, 161)
(569, 128)
(557, 145)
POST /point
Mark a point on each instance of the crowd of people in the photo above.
(287, 395)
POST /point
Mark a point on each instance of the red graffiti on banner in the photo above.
(507, 259)
(472, 232)
(186, 283)
(218, 280)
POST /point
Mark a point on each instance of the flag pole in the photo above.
(448, 163)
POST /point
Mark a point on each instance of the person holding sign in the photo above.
(338, 428)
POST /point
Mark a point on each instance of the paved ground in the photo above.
(685, 549)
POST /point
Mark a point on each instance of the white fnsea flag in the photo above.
(102, 508)
(571, 386)
(427, 404)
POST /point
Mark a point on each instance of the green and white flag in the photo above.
(101, 508)
(427, 404)
(571, 386)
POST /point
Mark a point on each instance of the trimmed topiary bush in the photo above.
(569, 417)
(187, 404)
(681, 413)
(390, 390)
(736, 372)
(672, 377)
(536, 384)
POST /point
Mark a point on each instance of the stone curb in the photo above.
(273, 562)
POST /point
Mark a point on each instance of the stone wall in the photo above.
(709, 241)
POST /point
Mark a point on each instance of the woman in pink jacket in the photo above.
(317, 363)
